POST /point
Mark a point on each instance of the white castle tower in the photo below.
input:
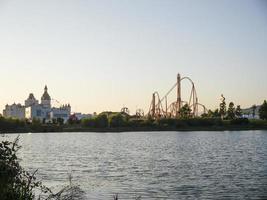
(46, 99)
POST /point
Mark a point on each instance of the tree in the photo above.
(88, 122)
(263, 110)
(54, 121)
(101, 121)
(216, 113)
(254, 110)
(231, 111)
(185, 111)
(15, 183)
(117, 120)
(222, 107)
(238, 111)
(60, 121)
(211, 114)
(73, 119)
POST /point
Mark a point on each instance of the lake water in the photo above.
(153, 165)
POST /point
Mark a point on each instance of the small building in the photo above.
(81, 116)
(62, 112)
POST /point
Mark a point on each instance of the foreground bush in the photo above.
(18, 184)
(15, 183)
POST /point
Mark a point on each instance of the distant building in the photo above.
(37, 112)
(248, 112)
(250, 116)
(83, 116)
(16, 111)
(31, 101)
(61, 112)
(33, 110)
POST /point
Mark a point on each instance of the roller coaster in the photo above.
(159, 107)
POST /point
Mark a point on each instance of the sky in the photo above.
(101, 55)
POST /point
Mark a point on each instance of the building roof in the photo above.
(46, 96)
(31, 96)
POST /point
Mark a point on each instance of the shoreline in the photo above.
(138, 129)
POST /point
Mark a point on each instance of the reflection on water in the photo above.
(158, 165)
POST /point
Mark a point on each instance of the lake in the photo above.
(153, 165)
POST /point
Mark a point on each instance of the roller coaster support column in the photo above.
(153, 105)
(179, 100)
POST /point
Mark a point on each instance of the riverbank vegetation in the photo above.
(19, 184)
(224, 118)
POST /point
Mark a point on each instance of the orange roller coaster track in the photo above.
(159, 107)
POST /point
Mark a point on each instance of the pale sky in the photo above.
(105, 54)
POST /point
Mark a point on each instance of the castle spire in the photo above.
(46, 96)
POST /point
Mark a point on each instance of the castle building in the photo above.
(31, 101)
(33, 110)
(46, 99)
(14, 111)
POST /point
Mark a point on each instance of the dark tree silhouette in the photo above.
(263, 110)
(185, 111)
(222, 110)
(231, 111)
(238, 111)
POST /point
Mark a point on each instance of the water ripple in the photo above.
(162, 165)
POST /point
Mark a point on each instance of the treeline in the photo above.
(119, 120)
(16, 125)
(231, 112)
(222, 118)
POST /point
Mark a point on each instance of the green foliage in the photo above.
(216, 113)
(166, 122)
(211, 114)
(54, 121)
(9, 124)
(184, 123)
(107, 119)
(101, 121)
(199, 122)
(148, 122)
(88, 122)
(258, 122)
(239, 121)
(222, 110)
(263, 110)
(117, 120)
(60, 121)
(185, 111)
(238, 111)
(15, 183)
(231, 111)
(136, 122)
(18, 184)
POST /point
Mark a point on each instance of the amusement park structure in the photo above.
(159, 107)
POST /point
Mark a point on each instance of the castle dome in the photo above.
(46, 96)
